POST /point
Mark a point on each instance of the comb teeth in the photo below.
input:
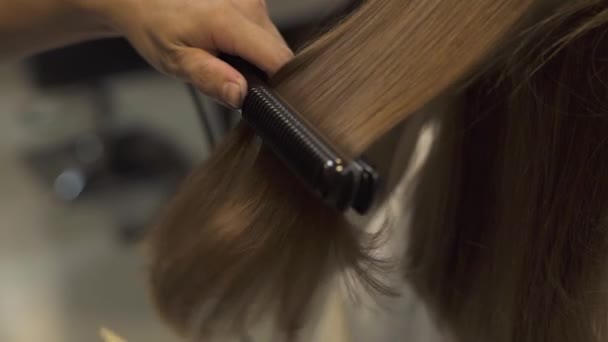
(278, 127)
(290, 138)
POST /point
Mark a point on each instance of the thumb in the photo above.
(212, 76)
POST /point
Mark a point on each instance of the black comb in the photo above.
(341, 182)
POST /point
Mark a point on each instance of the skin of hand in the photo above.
(178, 37)
(182, 38)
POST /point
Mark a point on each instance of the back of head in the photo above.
(509, 242)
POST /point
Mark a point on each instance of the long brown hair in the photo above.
(243, 237)
(512, 244)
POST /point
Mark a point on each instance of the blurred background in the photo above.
(92, 144)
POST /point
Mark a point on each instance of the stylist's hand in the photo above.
(182, 37)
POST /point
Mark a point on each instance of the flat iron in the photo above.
(341, 182)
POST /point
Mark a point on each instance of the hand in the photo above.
(182, 37)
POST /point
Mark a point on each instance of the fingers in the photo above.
(267, 24)
(187, 48)
(254, 10)
(212, 76)
(252, 42)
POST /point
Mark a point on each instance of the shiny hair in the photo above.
(509, 240)
(519, 239)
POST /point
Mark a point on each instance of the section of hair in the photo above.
(518, 250)
(243, 238)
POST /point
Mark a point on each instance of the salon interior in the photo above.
(92, 143)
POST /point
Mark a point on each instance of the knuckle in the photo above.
(172, 61)
(226, 39)
(222, 18)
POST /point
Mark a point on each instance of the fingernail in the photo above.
(233, 95)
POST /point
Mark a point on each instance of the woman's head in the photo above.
(243, 238)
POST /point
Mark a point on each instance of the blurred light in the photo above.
(70, 184)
